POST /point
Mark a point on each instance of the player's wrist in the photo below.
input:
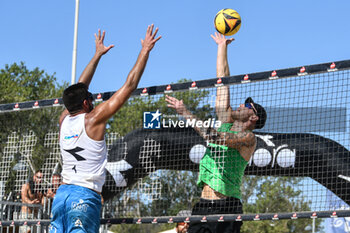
(145, 50)
(222, 45)
(98, 54)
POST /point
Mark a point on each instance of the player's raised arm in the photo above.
(223, 109)
(85, 172)
(88, 73)
(222, 68)
(101, 49)
(105, 110)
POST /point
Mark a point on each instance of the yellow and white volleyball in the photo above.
(227, 22)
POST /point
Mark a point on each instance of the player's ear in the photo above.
(254, 118)
(85, 105)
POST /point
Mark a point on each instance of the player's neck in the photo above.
(77, 113)
(238, 126)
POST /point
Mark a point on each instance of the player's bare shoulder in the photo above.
(245, 143)
(250, 138)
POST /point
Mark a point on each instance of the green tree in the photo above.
(19, 84)
(178, 191)
(275, 195)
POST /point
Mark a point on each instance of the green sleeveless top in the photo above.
(222, 168)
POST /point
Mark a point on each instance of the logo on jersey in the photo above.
(70, 137)
(74, 153)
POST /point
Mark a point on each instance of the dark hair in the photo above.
(56, 174)
(37, 171)
(74, 96)
(260, 112)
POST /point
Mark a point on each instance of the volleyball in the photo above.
(227, 22)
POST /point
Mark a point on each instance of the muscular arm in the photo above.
(222, 105)
(105, 110)
(222, 68)
(99, 116)
(88, 73)
(90, 69)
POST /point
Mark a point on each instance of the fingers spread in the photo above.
(103, 36)
(157, 39)
(151, 29)
(155, 32)
(109, 47)
(149, 41)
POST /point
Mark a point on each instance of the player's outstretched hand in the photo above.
(221, 39)
(150, 40)
(101, 49)
(176, 104)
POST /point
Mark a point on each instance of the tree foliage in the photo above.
(275, 195)
(178, 191)
(19, 84)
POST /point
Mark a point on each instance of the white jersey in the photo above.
(84, 159)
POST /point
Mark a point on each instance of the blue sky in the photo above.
(274, 34)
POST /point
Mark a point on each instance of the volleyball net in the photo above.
(300, 167)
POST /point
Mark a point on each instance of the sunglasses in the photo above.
(250, 106)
